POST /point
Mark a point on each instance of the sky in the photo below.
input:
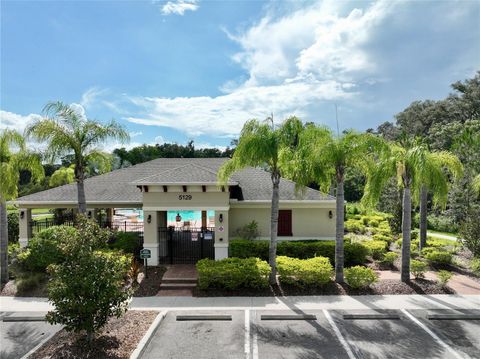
(180, 70)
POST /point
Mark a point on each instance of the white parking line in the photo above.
(339, 335)
(247, 334)
(433, 335)
(255, 345)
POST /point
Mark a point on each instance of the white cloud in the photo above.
(135, 134)
(179, 7)
(90, 96)
(159, 140)
(226, 114)
(15, 121)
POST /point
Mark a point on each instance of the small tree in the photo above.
(91, 285)
(470, 232)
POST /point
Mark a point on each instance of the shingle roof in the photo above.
(119, 185)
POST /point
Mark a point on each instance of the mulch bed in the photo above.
(151, 285)
(387, 286)
(117, 340)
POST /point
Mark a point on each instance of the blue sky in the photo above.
(179, 70)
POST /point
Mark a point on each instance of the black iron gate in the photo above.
(185, 246)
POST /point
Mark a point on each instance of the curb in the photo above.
(148, 336)
(40, 344)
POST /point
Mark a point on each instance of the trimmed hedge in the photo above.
(233, 273)
(304, 272)
(438, 257)
(355, 253)
(127, 242)
(360, 277)
(376, 248)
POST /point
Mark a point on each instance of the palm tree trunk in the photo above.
(339, 233)
(406, 228)
(272, 255)
(79, 178)
(423, 217)
(3, 242)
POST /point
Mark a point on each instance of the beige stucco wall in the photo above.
(307, 223)
(162, 201)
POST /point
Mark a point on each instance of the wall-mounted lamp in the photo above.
(149, 218)
(178, 218)
(220, 218)
(330, 214)
(221, 239)
(22, 214)
(89, 214)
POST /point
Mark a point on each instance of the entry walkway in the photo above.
(415, 301)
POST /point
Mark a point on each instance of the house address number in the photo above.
(185, 197)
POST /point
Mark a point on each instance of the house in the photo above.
(170, 186)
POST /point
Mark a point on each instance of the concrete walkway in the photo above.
(460, 283)
(334, 302)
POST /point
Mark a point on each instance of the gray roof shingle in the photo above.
(120, 185)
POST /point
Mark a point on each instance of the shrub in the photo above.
(28, 281)
(44, 249)
(360, 277)
(13, 229)
(376, 248)
(248, 231)
(355, 253)
(470, 232)
(310, 272)
(233, 273)
(382, 237)
(475, 266)
(442, 224)
(418, 268)
(127, 242)
(355, 226)
(90, 286)
(389, 258)
(439, 257)
(443, 277)
(415, 234)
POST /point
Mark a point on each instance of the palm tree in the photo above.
(69, 132)
(260, 145)
(11, 162)
(323, 158)
(443, 166)
(414, 166)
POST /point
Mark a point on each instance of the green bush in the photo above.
(414, 244)
(248, 231)
(443, 277)
(415, 233)
(13, 228)
(418, 268)
(355, 226)
(304, 272)
(91, 284)
(442, 224)
(355, 253)
(127, 242)
(439, 257)
(470, 232)
(44, 249)
(28, 281)
(475, 266)
(382, 237)
(376, 248)
(360, 277)
(389, 258)
(233, 273)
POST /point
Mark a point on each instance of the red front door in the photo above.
(285, 222)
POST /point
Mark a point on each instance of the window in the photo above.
(285, 222)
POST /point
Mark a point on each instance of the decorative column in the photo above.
(152, 220)
(25, 230)
(221, 234)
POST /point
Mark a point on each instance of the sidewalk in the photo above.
(416, 301)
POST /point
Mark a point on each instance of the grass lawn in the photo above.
(442, 233)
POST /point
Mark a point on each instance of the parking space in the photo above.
(277, 334)
(461, 333)
(19, 337)
(199, 337)
(352, 334)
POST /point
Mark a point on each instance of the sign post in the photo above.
(145, 254)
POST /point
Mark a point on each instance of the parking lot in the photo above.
(312, 334)
(21, 332)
